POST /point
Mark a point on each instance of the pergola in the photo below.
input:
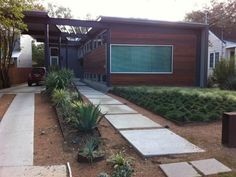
(66, 32)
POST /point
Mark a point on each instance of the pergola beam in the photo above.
(54, 34)
(64, 21)
(75, 22)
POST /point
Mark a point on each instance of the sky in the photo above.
(169, 10)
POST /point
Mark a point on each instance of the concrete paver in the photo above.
(210, 166)
(104, 101)
(116, 109)
(34, 171)
(181, 169)
(157, 142)
(126, 121)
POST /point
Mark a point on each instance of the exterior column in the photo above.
(46, 47)
(108, 42)
(204, 57)
(66, 54)
(59, 51)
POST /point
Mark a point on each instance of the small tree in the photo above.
(11, 24)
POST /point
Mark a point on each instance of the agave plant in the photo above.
(87, 116)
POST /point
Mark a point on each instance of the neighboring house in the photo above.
(22, 60)
(217, 50)
(22, 53)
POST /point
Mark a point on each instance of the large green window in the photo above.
(141, 59)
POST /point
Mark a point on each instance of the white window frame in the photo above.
(144, 45)
(213, 65)
(56, 58)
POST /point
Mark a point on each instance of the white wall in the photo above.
(25, 58)
(215, 45)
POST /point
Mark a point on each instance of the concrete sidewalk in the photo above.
(17, 132)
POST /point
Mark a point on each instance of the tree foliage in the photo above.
(11, 24)
(38, 54)
(59, 11)
(220, 15)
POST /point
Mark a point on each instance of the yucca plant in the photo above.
(86, 116)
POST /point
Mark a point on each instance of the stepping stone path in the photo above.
(182, 169)
(149, 142)
(210, 166)
(34, 171)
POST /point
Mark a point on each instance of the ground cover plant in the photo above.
(181, 104)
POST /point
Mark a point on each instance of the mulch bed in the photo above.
(50, 149)
(5, 102)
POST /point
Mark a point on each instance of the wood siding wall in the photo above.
(18, 75)
(95, 61)
(184, 54)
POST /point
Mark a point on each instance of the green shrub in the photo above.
(60, 79)
(223, 71)
(181, 104)
(86, 116)
(230, 83)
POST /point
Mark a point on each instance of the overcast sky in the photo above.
(170, 10)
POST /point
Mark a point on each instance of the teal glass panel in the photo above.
(141, 59)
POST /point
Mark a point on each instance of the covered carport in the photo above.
(67, 35)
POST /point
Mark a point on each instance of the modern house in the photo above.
(219, 48)
(125, 51)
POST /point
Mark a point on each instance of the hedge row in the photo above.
(182, 105)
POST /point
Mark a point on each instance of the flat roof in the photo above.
(138, 21)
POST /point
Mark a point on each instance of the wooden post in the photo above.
(46, 46)
(108, 43)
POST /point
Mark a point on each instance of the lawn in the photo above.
(179, 103)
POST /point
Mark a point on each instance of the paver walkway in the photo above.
(136, 128)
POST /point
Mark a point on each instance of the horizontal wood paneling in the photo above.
(184, 55)
(95, 61)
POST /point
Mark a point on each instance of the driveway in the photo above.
(23, 88)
